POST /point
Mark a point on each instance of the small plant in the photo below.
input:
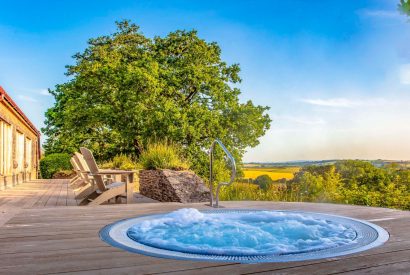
(53, 163)
(264, 182)
(162, 155)
(122, 162)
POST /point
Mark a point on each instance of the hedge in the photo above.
(53, 163)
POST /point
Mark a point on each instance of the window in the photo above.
(20, 151)
(6, 141)
(29, 157)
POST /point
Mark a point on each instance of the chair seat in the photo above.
(111, 186)
(114, 184)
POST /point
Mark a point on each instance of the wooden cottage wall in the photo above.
(16, 140)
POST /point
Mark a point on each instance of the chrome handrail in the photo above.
(233, 172)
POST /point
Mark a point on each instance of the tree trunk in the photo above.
(137, 147)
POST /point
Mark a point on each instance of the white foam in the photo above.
(260, 233)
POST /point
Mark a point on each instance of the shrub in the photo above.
(53, 163)
(264, 181)
(249, 191)
(122, 162)
(239, 191)
(162, 155)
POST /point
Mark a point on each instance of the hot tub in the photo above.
(245, 236)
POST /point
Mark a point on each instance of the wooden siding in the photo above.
(21, 166)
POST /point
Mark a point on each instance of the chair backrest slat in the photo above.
(76, 168)
(81, 162)
(79, 159)
(92, 165)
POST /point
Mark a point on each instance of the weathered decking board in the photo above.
(42, 237)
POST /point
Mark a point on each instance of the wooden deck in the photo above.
(42, 231)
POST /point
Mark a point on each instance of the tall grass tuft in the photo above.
(162, 155)
(251, 192)
(122, 162)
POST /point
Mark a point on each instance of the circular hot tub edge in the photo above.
(370, 236)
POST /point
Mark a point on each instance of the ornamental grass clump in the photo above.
(122, 162)
(162, 155)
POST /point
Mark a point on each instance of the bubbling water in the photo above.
(252, 234)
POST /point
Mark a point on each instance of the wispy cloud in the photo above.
(358, 102)
(382, 14)
(27, 98)
(404, 74)
(333, 102)
(44, 92)
(37, 91)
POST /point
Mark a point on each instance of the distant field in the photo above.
(275, 173)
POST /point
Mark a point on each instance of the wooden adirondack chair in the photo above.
(109, 191)
(80, 177)
(77, 180)
(84, 186)
(83, 166)
(86, 170)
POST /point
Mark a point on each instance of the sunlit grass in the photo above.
(247, 191)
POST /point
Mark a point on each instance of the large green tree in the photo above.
(126, 89)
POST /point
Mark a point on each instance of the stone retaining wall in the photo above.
(173, 186)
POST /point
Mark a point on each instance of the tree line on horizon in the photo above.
(348, 181)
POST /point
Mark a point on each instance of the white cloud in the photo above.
(35, 91)
(404, 74)
(27, 98)
(393, 14)
(366, 132)
(352, 103)
(44, 92)
(333, 102)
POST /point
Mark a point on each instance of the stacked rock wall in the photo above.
(173, 186)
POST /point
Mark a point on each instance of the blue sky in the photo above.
(336, 74)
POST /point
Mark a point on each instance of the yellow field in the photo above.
(275, 173)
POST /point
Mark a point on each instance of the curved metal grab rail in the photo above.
(233, 171)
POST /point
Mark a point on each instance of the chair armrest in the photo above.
(110, 170)
(114, 172)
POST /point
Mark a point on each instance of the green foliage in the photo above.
(162, 155)
(53, 163)
(404, 7)
(263, 181)
(122, 162)
(317, 183)
(126, 89)
(350, 181)
(353, 182)
(249, 191)
(369, 185)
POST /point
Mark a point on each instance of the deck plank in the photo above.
(62, 196)
(52, 200)
(42, 201)
(41, 234)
